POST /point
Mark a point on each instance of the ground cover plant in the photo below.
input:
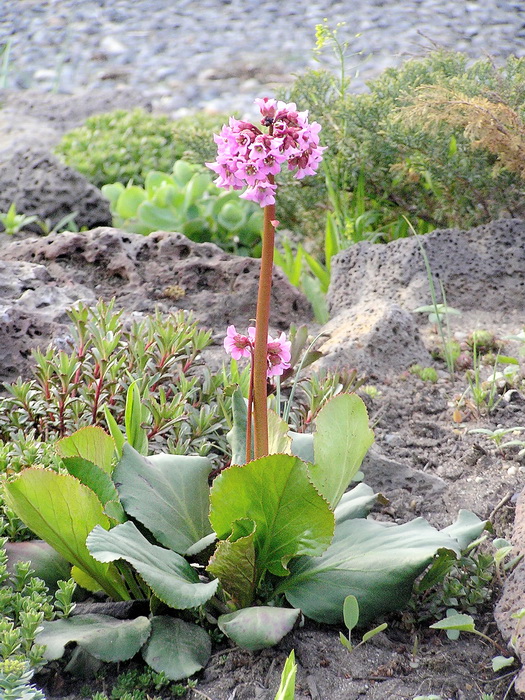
(126, 145)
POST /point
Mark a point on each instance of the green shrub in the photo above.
(443, 176)
(125, 145)
(69, 389)
(187, 201)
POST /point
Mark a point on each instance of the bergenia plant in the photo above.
(271, 538)
(250, 157)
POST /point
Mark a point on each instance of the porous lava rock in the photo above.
(481, 269)
(376, 288)
(39, 184)
(164, 270)
(32, 314)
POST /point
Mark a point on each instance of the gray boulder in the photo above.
(40, 185)
(32, 314)
(481, 269)
(375, 289)
(163, 270)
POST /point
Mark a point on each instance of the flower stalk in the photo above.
(262, 320)
(248, 157)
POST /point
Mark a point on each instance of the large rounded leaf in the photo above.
(62, 511)
(45, 561)
(341, 441)
(91, 443)
(258, 628)
(102, 636)
(177, 648)
(170, 576)
(291, 518)
(129, 201)
(376, 562)
(169, 494)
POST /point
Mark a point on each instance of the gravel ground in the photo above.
(221, 53)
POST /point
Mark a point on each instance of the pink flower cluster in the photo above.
(247, 156)
(279, 349)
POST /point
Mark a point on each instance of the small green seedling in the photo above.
(498, 434)
(456, 623)
(426, 374)
(437, 312)
(351, 618)
(286, 689)
(13, 222)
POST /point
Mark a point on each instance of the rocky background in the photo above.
(220, 54)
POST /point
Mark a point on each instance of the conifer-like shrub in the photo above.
(439, 140)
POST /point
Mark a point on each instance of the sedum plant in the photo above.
(103, 359)
(186, 201)
(126, 145)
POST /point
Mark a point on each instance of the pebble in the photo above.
(221, 54)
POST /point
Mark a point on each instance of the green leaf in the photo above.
(466, 528)
(169, 494)
(158, 218)
(135, 416)
(341, 441)
(372, 633)
(112, 192)
(499, 662)
(91, 443)
(102, 636)
(374, 561)
(291, 517)
(129, 201)
(350, 612)
(234, 564)
(183, 172)
(46, 562)
(116, 433)
(258, 628)
(356, 503)
(303, 446)
(237, 435)
(279, 442)
(311, 288)
(62, 511)
(195, 188)
(177, 648)
(286, 690)
(98, 481)
(155, 179)
(170, 576)
(460, 622)
(231, 216)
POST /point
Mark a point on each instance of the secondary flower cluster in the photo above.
(279, 349)
(247, 156)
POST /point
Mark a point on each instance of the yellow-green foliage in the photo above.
(125, 145)
(488, 123)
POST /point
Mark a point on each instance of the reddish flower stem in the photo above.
(249, 415)
(262, 319)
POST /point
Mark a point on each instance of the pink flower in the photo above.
(247, 156)
(237, 345)
(279, 355)
(279, 350)
(263, 193)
